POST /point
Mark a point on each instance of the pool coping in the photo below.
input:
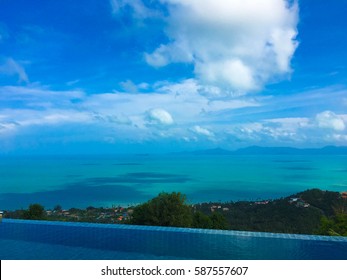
(235, 233)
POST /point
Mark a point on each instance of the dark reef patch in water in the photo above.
(290, 160)
(296, 176)
(342, 170)
(303, 168)
(127, 164)
(141, 178)
(74, 195)
(93, 190)
(73, 176)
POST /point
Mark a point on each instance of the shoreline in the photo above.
(299, 213)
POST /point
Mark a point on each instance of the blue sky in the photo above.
(168, 75)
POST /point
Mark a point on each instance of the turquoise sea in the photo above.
(81, 181)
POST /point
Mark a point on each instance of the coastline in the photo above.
(300, 213)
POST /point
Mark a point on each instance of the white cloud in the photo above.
(12, 67)
(290, 123)
(227, 73)
(6, 127)
(202, 131)
(167, 110)
(40, 97)
(292, 130)
(159, 117)
(73, 82)
(340, 138)
(25, 118)
(135, 116)
(237, 45)
(278, 130)
(120, 119)
(130, 87)
(330, 120)
(58, 117)
(181, 100)
(165, 54)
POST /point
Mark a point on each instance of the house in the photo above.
(264, 202)
(65, 213)
(302, 203)
(293, 199)
(344, 195)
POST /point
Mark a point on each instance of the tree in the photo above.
(337, 225)
(35, 212)
(219, 221)
(164, 210)
(58, 208)
(200, 220)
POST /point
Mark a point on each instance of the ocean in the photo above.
(82, 181)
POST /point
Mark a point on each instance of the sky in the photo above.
(140, 76)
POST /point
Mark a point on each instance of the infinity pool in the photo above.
(22, 239)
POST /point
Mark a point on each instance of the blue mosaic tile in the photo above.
(163, 242)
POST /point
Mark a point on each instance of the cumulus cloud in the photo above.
(167, 110)
(289, 124)
(330, 120)
(13, 68)
(237, 45)
(130, 87)
(170, 108)
(342, 138)
(277, 130)
(159, 117)
(202, 131)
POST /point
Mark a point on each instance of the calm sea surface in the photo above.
(122, 180)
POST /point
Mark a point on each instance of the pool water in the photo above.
(22, 239)
(18, 249)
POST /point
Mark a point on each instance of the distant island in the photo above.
(310, 212)
(258, 150)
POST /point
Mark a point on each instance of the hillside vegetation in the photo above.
(310, 212)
